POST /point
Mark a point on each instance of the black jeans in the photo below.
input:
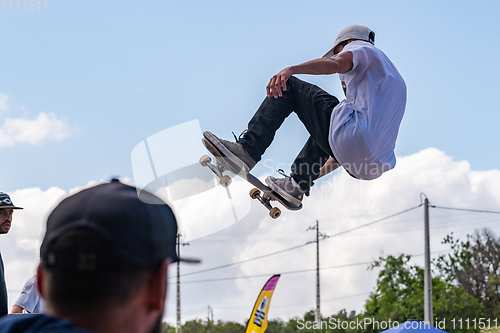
(314, 107)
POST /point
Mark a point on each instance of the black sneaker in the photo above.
(285, 188)
(233, 150)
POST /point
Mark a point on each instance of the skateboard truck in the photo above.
(265, 200)
(218, 169)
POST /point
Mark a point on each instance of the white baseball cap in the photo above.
(352, 32)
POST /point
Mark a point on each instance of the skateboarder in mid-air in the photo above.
(359, 133)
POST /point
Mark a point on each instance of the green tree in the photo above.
(276, 326)
(227, 327)
(199, 326)
(291, 326)
(399, 296)
(166, 328)
(193, 326)
(474, 265)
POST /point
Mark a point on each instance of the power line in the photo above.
(317, 241)
(335, 235)
(373, 222)
(299, 246)
(244, 261)
(267, 274)
(467, 210)
(296, 271)
(344, 297)
(279, 306)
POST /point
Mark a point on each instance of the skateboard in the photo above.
(260, 192)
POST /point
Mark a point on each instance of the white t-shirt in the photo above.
(30, 299)
(365, 125)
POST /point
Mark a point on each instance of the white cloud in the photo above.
(46, 126)
(33, 131)
(338, 202)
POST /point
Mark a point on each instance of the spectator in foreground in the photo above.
(104, 264)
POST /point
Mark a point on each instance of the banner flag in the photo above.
(258, 319)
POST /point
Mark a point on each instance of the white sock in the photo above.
(295, 183)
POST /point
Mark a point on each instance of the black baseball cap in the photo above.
(5, 202)
(140, 235)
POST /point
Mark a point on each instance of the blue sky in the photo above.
(84, 82)
(118, 72)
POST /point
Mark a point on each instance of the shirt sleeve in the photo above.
(29, 296)
(361, 54)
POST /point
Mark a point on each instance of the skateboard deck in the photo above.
(224, 163)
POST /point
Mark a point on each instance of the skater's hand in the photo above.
(278, 82)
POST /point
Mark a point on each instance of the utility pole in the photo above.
(428, 316)
(208, 320)
(317, 314)
(178, 328)
(318, 302)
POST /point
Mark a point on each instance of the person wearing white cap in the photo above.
(358, 133)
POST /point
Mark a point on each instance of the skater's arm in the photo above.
(322, 66)
(339, 64)
(330, 165)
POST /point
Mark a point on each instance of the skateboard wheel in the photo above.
(254, 193)
(205, 159)
(275, 212)
(225, 181)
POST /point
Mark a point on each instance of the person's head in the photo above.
(106, 252)
(6, 212)
(348, 35)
